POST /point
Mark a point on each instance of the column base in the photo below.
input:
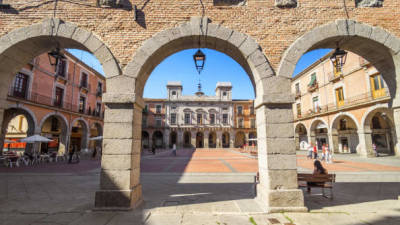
(118, 199)
(285, 200)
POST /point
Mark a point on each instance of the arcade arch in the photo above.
(55, 126)
(212, 140)
(301, 137)
(319, 133)
(240, 139)
(96, 130)
(79, 134)
(344, 130)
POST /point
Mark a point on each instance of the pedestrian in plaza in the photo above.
(375, 151)
(315, 150)
(71, 152)
(323, 155)
(318, 170)
(310, 151)
(174, 149)
(328, 156)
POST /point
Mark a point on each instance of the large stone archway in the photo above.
(277, 189)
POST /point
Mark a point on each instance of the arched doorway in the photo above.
(301, 137)
(18, 122)
(79, 135)
(187, 136)
(55, 126)
(319, 133)
(344, 134)
(172, 138)
(240, 139)
(145, 140)
(379, 131)
(199, 140)
(225, 140)
(158, 139)
(212, 140)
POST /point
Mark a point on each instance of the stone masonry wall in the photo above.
(275, 29)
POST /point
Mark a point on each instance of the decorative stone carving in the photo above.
(369, 3)
(286, 3)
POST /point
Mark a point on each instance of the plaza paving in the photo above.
(198, 187)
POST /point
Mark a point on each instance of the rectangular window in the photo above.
(82, 104)
(98, 109)
(144, 121)
(315, 104)
(224, 119)
(84, 79)
(61, 68)
(187, 118)
(199, 119)
(297, 86)
(377, 86)
(339, 97)
(158, 108)
(240, 122)
(240, 110)
(58, 100)
(253, 123)
(212, 118)
(173, 118)
(99, 91)
(298, 107)
(158, 122)
(20, 85)
(313, 80)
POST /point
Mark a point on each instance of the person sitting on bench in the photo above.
(318, 170)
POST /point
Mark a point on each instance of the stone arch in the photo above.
(85, 132)
(369, 112)
(98, 132)
(187, 137)
(314, 136)
(173, 138)
(158, 139)
(347, 140)
(375, 44)
(64, 134)
(301, 137)
(212, 139)
(13, 111)
(200, 139)
(241, 47)
(145, 139)
(240, 139)
(273, 97)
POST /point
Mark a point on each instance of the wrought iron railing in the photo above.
(348, 102)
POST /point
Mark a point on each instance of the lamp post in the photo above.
(55, 56)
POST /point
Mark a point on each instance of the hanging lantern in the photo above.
(338, 59)
(55, 56)
(199, 60)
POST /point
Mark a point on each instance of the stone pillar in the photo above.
(231, 139)
(396, 134)
(193, 138)
(277, 189)
(365, 145)
(166, 139)
(219, 139)
(120, 186)
(333, 139)
(179, 143)
(246, 141)
(206, 145)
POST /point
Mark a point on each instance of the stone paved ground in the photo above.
(64, 194)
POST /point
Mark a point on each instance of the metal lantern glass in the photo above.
(339, 57)
(199, 60)
(55, 56)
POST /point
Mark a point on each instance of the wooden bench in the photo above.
(317, 181)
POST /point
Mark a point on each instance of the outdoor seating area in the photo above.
(322, 181)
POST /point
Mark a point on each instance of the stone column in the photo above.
(193, 138)
(246, 141)
(120, 186)
(206, 144)
(277, 189)
(396, 135)
(333, 139)
(179, 143)
(365, 145)
(219, 139)
(231, 139)
(166, 139)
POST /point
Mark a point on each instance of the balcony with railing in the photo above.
(313, 87)
(297, 94)
(50, 101)
(335, 76)
(365, 98)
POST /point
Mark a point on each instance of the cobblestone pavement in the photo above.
(64, 194)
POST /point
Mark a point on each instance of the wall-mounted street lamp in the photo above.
(4, 6)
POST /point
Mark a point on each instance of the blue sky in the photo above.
(218, 67)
